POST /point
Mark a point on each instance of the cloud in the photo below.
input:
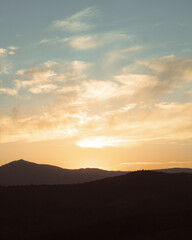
(115, 93)
(4, 67)
(141, 163)
(98, 90)
(48, 40)
(11, 52)
(123, 110)
(116, 55)
(93, 41)
(161, 76)
(3, 52)
(165, 122)
(55, 71)
(35, 77)
(170, 69)
(53, 123)
(36, 73)
(51, 76)
(44, 88)
(8, 91)
(13, 48)
(77, 22)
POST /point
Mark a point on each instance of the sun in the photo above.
(96, 142)
(100, 142)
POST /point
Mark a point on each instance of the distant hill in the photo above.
(22, 172)
(175, 170)
(145, 205)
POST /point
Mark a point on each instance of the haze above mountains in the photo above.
(22, 172)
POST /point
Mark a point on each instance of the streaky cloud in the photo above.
(77, 22)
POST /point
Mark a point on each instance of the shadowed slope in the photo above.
(138, 205)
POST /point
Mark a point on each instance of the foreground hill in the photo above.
(139, 205)
(26, 173)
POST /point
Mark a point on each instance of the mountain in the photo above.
(145, 205)
(22, 172)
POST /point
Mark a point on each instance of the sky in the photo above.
(103, 84)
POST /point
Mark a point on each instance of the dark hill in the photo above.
(175, 170)
(139, 205)
(26, 173)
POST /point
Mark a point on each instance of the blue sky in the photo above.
(97, 74)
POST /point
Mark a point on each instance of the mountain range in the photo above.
(22, 172)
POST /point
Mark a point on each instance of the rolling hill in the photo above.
(145, 205)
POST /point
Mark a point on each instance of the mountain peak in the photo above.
(19, 162)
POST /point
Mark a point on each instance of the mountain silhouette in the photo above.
(22, 172)
(139, 205)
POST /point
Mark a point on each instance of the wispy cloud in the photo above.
(48, 40)
(162, 75)
(142, 163)
(36, 73)
(93, 41)
(8, 91)
(43, 88)
(120, 54)
(47, 76)
(13, 48)
(77, 22)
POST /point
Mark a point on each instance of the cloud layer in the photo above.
(100, 94)
(121, 111)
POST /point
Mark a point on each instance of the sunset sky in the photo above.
(105, 83)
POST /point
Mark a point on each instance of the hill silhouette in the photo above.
(138, 205)
(22, 172)
(175, 170)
